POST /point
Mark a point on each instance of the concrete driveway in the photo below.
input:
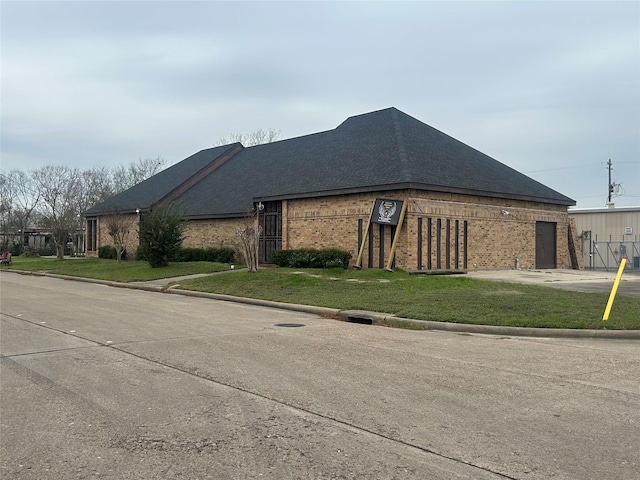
(103, 382)
(576, 280)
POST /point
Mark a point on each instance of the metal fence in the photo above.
(606, 254)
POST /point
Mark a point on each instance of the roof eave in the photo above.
(218, 216)
(414, 186)
(124, 211)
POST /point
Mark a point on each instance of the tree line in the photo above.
(54, 197)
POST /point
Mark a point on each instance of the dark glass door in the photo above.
(271, 238)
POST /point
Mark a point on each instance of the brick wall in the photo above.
(198, 234)
(213, 233)
(500, 234)
(103, 237)
(494, 239)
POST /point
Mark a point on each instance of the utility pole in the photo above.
(614, 188)
(609, 165)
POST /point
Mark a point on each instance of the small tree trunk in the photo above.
(250, 241)
(256, 247)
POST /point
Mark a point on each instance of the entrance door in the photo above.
(545, 245)
(271, 238)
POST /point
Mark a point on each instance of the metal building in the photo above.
(607, 235)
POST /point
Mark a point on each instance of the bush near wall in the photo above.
(110, 253)
(17, 249)
(311, 258)
(140, 256)
(30, 252)
(219, 255)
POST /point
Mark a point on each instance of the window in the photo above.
(92, 234)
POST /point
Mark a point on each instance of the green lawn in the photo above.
(440, 298)
(457, 299)
(127, 271)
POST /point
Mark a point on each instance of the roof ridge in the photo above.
(352, 118)
(402, 152)
(230, 152)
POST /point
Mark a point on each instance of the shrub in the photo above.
(140, 255)
(109, 252)
(187, 255)
(225, 254)
(219, 255)
(280, 257)
(335, 258)
(160, 235)
(311, 258)
(30, 252)
(17, 249)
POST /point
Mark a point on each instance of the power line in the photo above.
(564, 168)
(579, 166)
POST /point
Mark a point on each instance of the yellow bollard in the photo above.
(614, 289)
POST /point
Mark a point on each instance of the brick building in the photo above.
(464, 210)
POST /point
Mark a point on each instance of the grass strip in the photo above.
(104, 269)
(457, 299)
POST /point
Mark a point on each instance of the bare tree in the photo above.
(59, 188)
(18, 201)
(26, 198)
(6, 210)
(250, 139)
(119, 227)
(69, 192)
(249, 237)
(126, 176)
(97, 186)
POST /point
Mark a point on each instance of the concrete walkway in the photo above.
(164, 282)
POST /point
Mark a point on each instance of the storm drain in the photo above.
(290, 325)
(361, 320)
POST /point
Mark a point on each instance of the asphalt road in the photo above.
(104, 382)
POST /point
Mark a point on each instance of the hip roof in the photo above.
(381, 150)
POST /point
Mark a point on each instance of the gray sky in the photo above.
(551, 89)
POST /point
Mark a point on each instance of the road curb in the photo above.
(254, 301)
(376, 318)
(364, 316)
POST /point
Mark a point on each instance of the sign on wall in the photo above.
(386, 212)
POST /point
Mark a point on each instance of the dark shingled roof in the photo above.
(148, 192)
(382, 150)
